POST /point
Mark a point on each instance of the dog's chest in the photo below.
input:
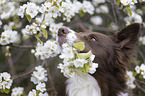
(85, 85)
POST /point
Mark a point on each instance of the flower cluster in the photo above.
(46, 50)
(135, 17)
(30, 9)
(55, 8)
(75, 63)
(17, 91)
(130, 80)
(5, 82)
(140, 70)
(7, 9)
(39, 75)
(128, 2)
(103, 9)
(8, 36)
(40, 90)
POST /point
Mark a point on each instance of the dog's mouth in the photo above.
(66, 35)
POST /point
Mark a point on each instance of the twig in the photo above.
(140, 81)
(22, 74)
(24, 46)
(137, 84)
(25, 73)
(51, 80)
(12, 68)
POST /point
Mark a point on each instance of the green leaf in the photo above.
(6, 91)
(118, 2)
(61, 3)
(86, 68)
(129, 11)
(80, 46)
(44, 33)
(82, 13)
(29, 17)
(84, 55)
(134, 74)
(57, 6)
(38, 40)
(140, 76)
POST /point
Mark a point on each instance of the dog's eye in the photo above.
(92, 38)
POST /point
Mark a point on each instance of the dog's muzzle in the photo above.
(66, 35)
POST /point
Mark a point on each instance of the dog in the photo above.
(112, 53)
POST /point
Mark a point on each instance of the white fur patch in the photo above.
(85, 85)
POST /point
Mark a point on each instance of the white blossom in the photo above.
(39, 75)
(54, 29)
(41, 87)
(8, 36)
(21, 11)
(126, 2)
(6, 76)
(130, 79)
(96, 2)
(102, 9)
(79, 62)
(17, 91)
(137, 69)
(8, 10)
(32, 93)
(88, 7)
(96, 20)
(5, 81)
(32, 9)
(43, 94)
(2, 1)
(93, 68)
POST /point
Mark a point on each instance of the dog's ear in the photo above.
(128, 36)
(81, 28)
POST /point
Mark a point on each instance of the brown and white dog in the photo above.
(112, 53)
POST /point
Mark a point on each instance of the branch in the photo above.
(22, 74)
(24, 46)
(25, 73)
(137, 84)
(10, 62)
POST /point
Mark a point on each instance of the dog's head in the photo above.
(105, 48)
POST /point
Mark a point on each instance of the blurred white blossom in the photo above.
(8, 36)
(102, 9)
(96, 2)
(96, 20)
(130, 80)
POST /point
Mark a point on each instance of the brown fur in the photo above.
(113, 54)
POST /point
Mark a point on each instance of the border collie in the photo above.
(112, 53)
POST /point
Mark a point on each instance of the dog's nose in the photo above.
(63, 31)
